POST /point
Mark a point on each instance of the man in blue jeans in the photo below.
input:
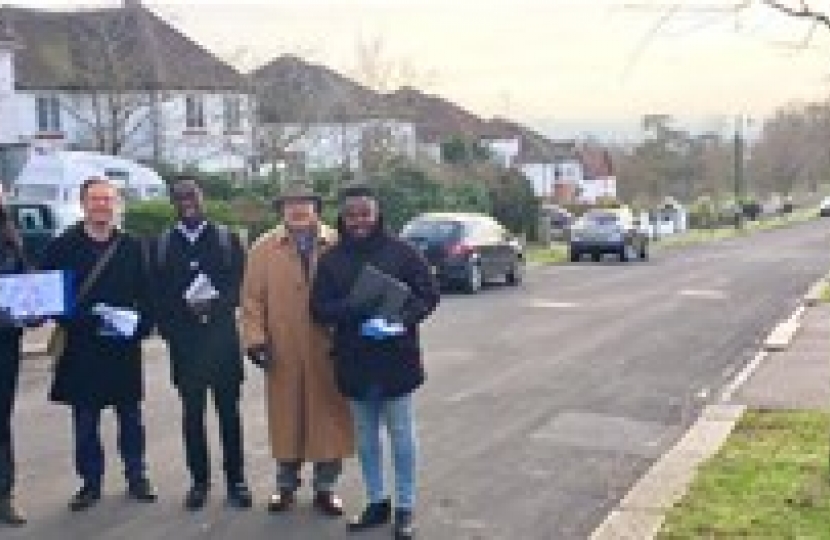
(378, 363)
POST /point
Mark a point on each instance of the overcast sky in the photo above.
(560, 64)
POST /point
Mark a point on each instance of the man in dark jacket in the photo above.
(378, 373)
(201, 333)
(99, 369)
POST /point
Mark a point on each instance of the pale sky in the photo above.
(555, 64)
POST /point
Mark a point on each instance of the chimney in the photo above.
(132, 4)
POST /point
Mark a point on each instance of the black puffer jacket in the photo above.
(367, 368)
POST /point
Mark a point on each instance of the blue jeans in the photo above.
(398, 416)
(89, 452)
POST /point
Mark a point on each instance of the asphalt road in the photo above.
(544, 403)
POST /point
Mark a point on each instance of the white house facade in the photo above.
(187, 110)
(339, 145)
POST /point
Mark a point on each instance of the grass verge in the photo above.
(770, 480)
(558, 253)
(707, 235)
(553, 254)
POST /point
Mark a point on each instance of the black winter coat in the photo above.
(10, 263)
(201, 353)
(366, 368)
(99, 371)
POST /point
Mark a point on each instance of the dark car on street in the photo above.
(601, 232)
(467, 250)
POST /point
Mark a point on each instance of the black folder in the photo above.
(379, 294)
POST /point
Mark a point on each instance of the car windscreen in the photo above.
(432, 230)
(600, 219)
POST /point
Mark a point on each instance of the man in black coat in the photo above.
(97, 369)
(202, 336)
(377, 372)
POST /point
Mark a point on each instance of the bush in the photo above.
(150, 218)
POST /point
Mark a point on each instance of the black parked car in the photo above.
(467, 249)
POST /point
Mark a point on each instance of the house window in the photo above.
(195, 112)
(48, 113)
(233, 113)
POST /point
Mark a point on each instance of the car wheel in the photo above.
(596, 257)
(475, 279)
(644, 252)
(575, 256)
(516, 273)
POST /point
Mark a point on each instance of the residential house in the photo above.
(120, 81)
(333, 122)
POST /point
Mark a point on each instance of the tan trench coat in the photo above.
(308, 418)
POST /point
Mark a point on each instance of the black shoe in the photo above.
(328, 503)
(142, 491)
(404, 527)
(239, 496)
(374, 515)
(85, 498)
(9, 514)
(196, 497)
(281, 501)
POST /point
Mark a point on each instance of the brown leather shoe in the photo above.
(328, 503)
(281, 501)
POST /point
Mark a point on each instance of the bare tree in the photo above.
(113, 97)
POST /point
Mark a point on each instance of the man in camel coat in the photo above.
(309, 420)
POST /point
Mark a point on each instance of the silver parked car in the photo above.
(608, 231)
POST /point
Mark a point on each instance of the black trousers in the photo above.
(9, 371)
(226, 402)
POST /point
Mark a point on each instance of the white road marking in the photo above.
(743, 376)
(551, 304)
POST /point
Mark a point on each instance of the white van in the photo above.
(56, 177)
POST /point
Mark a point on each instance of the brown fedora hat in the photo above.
(298, 192)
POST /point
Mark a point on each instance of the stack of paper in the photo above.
(200, 290)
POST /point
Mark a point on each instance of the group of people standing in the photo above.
(287, 304)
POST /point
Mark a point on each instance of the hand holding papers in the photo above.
(116, 322)
(379, 328)
(199, 295)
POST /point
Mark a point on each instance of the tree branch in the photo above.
(803, 12)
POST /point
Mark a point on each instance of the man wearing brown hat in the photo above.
(309, 420)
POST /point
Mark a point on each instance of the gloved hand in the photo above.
(379, 328)
(260, 356)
